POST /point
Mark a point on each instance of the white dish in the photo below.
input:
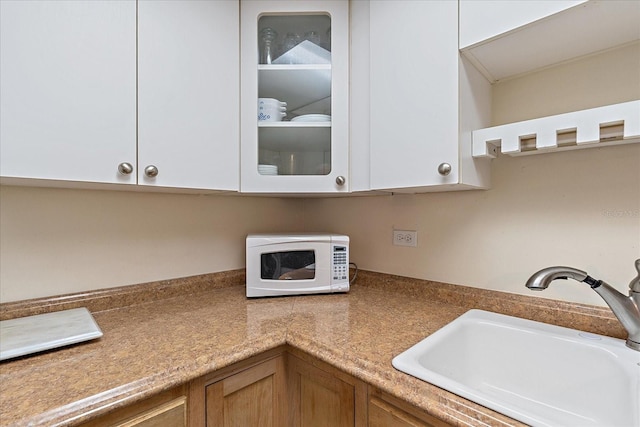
(305, 53)
(312, 118)
(271, 102)
(271, 116)
(268, 170)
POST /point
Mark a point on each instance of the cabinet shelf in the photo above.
(294, 124)
(297, 85)
(582, 29)
(298, 137)
(596, 127)
(293, 67)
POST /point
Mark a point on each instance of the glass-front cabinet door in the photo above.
(295, 96)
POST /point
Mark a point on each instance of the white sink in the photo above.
(540, 374)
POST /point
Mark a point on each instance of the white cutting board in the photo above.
(31, 334)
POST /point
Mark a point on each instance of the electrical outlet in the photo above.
(405, 238)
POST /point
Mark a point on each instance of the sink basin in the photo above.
(540, 374)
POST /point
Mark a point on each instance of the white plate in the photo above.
(268, 169)
(312, 118)
(305, 53)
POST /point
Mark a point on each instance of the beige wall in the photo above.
(578, 208)
(56, 241)
(594, 81)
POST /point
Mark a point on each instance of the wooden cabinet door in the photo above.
(318, 398)
(253, 397)
(189, 93)
(167, 409)
(171, 414)
(382, 414)
(68, 84)
(387, 411)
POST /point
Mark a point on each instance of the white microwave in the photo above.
(297, 264)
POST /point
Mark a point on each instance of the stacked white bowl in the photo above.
(268, 170)
(271, 110)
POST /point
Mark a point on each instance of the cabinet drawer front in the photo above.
(167, 409)
(171, 414)
(381, 414)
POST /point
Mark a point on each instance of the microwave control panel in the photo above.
(340, 273)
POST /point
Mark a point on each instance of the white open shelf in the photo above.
(584, 29)
(265, 124)
(595, 127)
(297, 85)
(299, 137)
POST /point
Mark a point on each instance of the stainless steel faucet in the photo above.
(625, 308)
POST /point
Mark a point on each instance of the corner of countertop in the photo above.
(589, 318)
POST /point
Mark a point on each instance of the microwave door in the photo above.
(288, 265)
(306, 272)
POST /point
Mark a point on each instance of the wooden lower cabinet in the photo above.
(249, 393)
(388, 411)
(167, 409)
(280, 388)
(322, 396)
(252, 397)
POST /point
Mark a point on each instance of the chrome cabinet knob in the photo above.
(151, 171)
(340, 180)
(444, 169)
(125, 168)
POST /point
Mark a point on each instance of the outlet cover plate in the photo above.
(405, 238)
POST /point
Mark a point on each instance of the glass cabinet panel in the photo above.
(295, 96)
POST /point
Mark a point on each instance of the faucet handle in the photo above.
(634, 285)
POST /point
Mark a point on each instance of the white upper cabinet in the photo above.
(508, 38)
(68, 84)
(88, 97)
(425, 100)
(295, 96)
(188, 94)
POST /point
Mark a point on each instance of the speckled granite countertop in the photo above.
(164, 334)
